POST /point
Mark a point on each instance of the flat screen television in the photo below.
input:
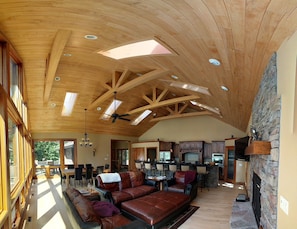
(240, 145)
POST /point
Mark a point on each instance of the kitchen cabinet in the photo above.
(207, 152)
(218, 146)
(191, 145)
(191, 149)
(165, 146)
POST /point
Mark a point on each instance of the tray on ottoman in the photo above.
(156, 209)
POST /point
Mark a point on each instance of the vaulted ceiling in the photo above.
(49, 37)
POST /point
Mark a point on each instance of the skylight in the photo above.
(141, 48)
(69, 102)
(111, 109)
(188, 86)
(141, 117)
(206, 107)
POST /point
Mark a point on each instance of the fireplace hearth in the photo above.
(256, 201)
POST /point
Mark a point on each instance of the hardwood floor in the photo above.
(46, 207)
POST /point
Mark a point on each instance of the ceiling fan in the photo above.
(115, 115)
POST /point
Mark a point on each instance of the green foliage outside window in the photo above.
(47, 150)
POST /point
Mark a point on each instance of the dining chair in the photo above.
(89, 175)
(80, 165)
(62, 177)
(88, 165)
(100, 169)
(78, 176)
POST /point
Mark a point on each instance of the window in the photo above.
(13, 153)
(15, 86)
(14, 82)
(2, 157)
(53, 152)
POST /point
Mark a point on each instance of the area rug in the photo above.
(181, 218)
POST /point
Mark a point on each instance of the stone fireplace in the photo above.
(266, 120)
(256, 201)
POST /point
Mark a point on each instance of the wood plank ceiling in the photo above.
(241, 34)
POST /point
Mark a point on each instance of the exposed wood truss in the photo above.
(118, 86)
(156, 102)
(177, 112)
(182, 115)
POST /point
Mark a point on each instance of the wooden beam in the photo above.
(164, 103)
(58, 46)
(129, 85)
(143, 79)
(191, 114)
(123, 76)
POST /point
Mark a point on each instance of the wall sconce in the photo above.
(94, 152)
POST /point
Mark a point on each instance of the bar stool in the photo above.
(172, 170)
(202, 176)
(160, 169)
(148, 169)
(184, 167)
(138, 165)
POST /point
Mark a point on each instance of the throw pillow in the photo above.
(104, 209)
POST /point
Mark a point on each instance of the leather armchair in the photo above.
(184, 182)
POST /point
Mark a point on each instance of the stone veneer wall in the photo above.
(266, 120)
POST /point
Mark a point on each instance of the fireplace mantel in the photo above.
(258, 148)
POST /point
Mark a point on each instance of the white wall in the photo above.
(204, 128)
(287, 186)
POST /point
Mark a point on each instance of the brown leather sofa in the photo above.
(132, 185)
(82, 214)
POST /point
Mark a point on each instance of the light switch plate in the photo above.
(284, 205)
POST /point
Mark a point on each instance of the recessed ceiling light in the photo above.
(224, 88)
(214, 62)
(57, 78)
(91, 37)
(98, 108)
(67, 54)
(174, 77)
(53, 105)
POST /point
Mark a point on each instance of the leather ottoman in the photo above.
(156, 209)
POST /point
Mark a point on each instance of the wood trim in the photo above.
(258, 148)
